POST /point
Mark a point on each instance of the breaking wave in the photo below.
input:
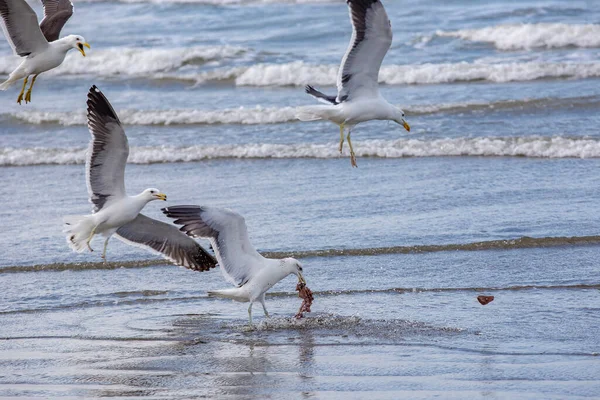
(133, 61)
(186, 65)
(272, 115)
(528, 36)
(536, 146)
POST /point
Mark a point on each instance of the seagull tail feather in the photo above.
(315, 113)
(5, 85)
(77, 229)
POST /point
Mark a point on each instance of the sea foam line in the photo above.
(538, 147)
(259, 115)
(528, 36)
(175, 65)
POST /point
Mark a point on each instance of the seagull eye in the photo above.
(300, 269)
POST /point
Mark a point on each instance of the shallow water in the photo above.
(494, 192)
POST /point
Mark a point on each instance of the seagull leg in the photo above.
(28, 94)
(262, 301)
(20, 98)
(92, 233)
(250, 314)
(104, 251)
(341, 137)
(352, 155)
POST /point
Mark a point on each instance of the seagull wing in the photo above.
(228, 234)
(56, 15)
(20, 26)
(107, 153)
(167, 240)
(371, 39)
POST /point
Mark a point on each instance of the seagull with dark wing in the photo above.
(251, 273)
(39, 45)
(114, 212)
(358, 98)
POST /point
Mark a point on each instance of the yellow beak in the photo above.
(301, 278)
(80, 47)
(406, 126)
(161, 196)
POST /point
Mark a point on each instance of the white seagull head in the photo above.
(293, 266)
(153, 194)
(77, 42)
(398, 118)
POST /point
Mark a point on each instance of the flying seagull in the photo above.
(40, 45)
(241, 264)
(358, 98)
(113, 211)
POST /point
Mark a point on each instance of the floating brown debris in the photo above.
(306, 295)
(483, 300)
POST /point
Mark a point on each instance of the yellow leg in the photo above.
(352, 155)
(92, 233)
(20, 98)
(28, 94)
(104, 251)
(341, 137)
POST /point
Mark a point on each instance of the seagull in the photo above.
(358, 98)
(241, 264)
(113, 211)
(40, 45)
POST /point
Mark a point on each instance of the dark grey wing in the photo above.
(320, 96)
(20, 26)
(167, 240)
(371, 39)
(107, 153)
(228, 235)
(56, 15)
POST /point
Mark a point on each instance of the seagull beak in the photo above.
(406, 125)
(80, 47)
(301, 278)
(161, 196)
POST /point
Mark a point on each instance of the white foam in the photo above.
(241, 115)
(300, 73)
(132, 61)
(171, 64)
(539, 147)
(527, 36)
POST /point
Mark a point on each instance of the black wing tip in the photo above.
(309, 88)
(99, 105)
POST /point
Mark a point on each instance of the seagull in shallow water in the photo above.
(40, 45)
(116, 213)
(358, 98)
(241, 264)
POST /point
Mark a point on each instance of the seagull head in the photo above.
(78, 42)
(399, 119)
(154, 194)
(294, 267)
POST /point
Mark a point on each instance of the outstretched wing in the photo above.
(228, 234)
(167, 240)
(371, 39)
(107, 153)
(322, 97)
(20, 26)
(56, 15)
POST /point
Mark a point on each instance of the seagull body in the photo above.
(251, 273)
(116, 213)
(358, 98)
(40, 45)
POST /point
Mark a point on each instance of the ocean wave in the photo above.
(259, 115)
(300, 73)
(133, 61)
(524, 242)
(538, 147)
(528, 36)
(174, 64)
